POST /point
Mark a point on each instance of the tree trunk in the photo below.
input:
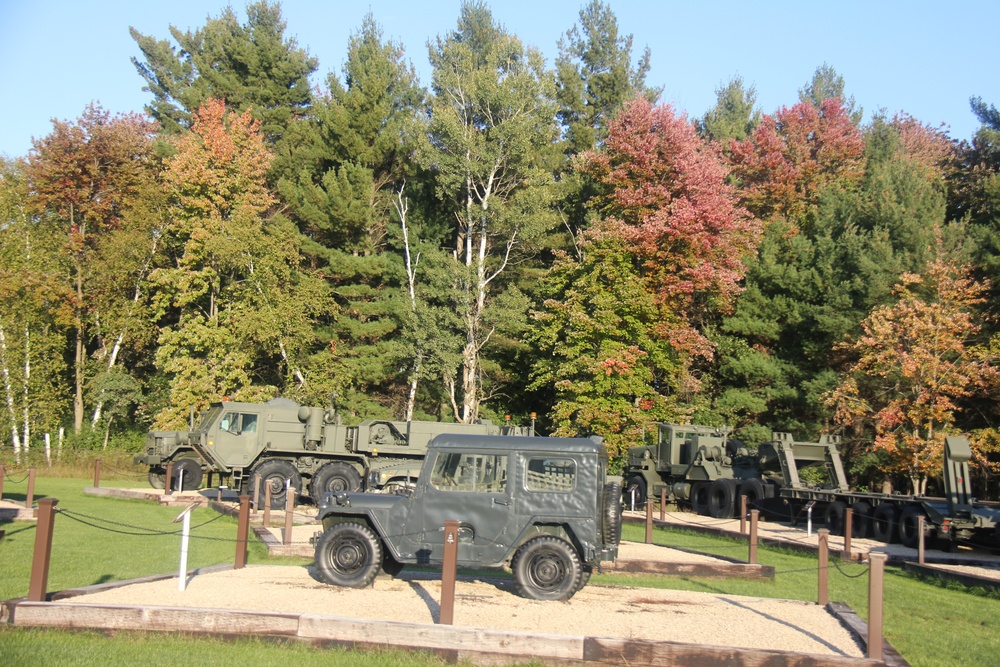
(9, 394)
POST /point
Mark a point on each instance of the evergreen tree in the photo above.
(734, 116)
(251, 66)
(827, 84)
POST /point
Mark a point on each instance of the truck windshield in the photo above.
(208, 416)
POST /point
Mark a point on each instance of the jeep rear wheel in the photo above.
(547, 568)
(332, 478)
(348, 554)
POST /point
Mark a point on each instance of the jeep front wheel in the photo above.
(547, 568)
(348, 554)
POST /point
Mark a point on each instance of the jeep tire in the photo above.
(612, 528)
(546, 568)
(348, 554)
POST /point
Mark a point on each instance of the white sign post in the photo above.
(184, 516)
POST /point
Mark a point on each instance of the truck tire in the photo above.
(833, 517)
(885, 522)
(333, 477)
(612, 528)
(547, 568)
(192, 474)
(157, 478)
(753, 489)
(722, 498)
(862, 523)
(909, 526)
(699, 497)
(276, 472)
(636, 491)
(348, 554)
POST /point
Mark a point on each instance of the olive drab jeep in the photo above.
(542, 507)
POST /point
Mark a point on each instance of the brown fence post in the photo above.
(876, 580)
(663, 504)
(649, 521)
(97, 474)
(29, 501)
(754, 515)
(920, 544)
(256, 493)
(267, 504)
(242, 532)
(848, 529)
(447, 615)
(289, 514)
(43, 550)
(167, 482)
(3, 474)
(823, 595)
(743, 515)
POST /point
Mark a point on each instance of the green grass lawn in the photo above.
(97, 540)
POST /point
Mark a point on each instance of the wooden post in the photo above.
(256, 493)
(848, 529)
(754, 515)
(663, 504)
(289, 515)
(29, 501)
(267, 504)
(97, 474)
(824, 567)
(920, 544)
(743, 515)
(43, 550)
(876, 580)
(649, 521)
(166, 481)
(3, 474)
(242, 532)
(448, 568)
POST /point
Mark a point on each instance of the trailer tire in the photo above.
(699, 497)
(909, 526)
(885, 522)
(862, 523)
(637, 484)
(721, 498)
(834, 517)
(753, 489)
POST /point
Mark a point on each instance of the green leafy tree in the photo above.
(251, 66)
(492, 131)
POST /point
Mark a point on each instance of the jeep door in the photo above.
(471, 488)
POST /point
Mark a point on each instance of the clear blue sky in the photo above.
(924, 58)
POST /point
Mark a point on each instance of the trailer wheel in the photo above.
(636, 488)
(348, 554)
(834, 517)
(547, 568)
(753, 489)
(862, 524)
(909, 526)
(885, 521)
(276, 472)
(334, 477)
(721, 498)
(699, 497)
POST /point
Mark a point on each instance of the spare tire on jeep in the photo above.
(611, 530)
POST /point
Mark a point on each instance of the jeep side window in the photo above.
(551, 475)
(482, 473)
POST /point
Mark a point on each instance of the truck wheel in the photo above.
(885, 520)
(192, 474)
(157, 478)
(721, 498)
(348, 554)
(699, 497)
(547, 568)
(334, 477)
(834, 517)
(909, 526)
(612, 528)
(862, 524)
(753, 489)
(637, 490)
(276, 473)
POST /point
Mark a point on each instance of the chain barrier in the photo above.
(15, 481)
(88, 520)
(128, 474)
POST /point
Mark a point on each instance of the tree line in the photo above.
(514, 241)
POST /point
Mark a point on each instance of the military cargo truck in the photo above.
(544, 507)
(294, 446)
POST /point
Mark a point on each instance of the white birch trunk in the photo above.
(9, 395)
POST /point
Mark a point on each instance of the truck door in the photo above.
(236, 440)
(469, 487)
